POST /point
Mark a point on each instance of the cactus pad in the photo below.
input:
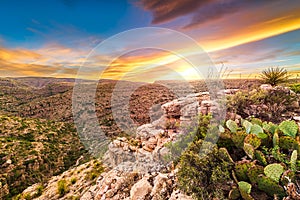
(260, 157)
(241, 169)
(253, 140)
(223, 153)
(293, 161)
(249, 150)
(245, 190)
(270, 186)
(288, 143)
(254, 172)
(274, 171)
(238, 138)
(275, 139)
(289, 128)
(247, 125)
(232, 126)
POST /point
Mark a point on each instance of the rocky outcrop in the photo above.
(115, 185)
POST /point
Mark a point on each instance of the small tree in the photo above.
(274, 76)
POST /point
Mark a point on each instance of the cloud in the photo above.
(167, 10)
(201, 11)
(216, 10)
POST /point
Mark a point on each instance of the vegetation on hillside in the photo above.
(33, 150)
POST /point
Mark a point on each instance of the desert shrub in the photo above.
(62, 187)
(39, 191)
(27, 197)
(295, 87)
(274, 75)
(95, 172)
(197, 130)
(267, 105)
(73, 180)
(204, 174)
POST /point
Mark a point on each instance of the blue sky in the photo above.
(52, 38)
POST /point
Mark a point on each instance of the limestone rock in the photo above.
(141, 189)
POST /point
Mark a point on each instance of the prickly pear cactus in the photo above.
(247, 125)
(256, 129)
(253, 140)
(288, 143)
(254, 172)
(269, 186)
(278, 155)
(232, 126)
(256, 121)
(241, 168)
(249, 150)
(289, 128)
(274, 171)
(260, 157)
(245, 190)
(275, 139)
(269, 127)
(293, 161)
(223, 153)
(238, 138)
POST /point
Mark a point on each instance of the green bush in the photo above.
(295, 87)
(267, 105)
(62, 187)
(274, 76)
(205, 175)
(73, 180)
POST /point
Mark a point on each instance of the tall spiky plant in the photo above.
(274, 75)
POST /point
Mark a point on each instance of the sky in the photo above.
(61, 38)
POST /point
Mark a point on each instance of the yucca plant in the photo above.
(274, 76)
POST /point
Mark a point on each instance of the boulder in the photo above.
(141, 189)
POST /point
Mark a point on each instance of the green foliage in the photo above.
(177, 147)
(274, 76)
(254, 172)
(249, 150)
(288, 143)
(62, 187)
(36, 148)
(256, 121)
(295, 87)
(270, 186)
(267, 105)
(245, 190)
(293, 161)
(247, 125)
(269, 127)
(275, 139)
(256, 129)
(241, 169)
(96, 171)
(39, 191)
(289, 128)
(278, 155)
(238, 138)
(260, 157)
(205, 170)
(232, 126)
(253, 140)
(274, 171)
